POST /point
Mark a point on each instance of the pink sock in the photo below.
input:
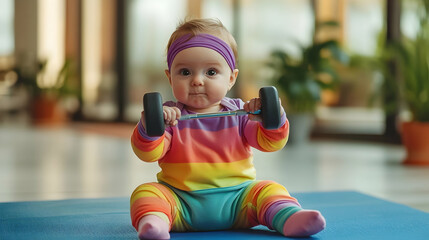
(304, 223)
(153, 227)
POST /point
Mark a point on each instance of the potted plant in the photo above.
(47, 100)
(413, 58)
(301, 80)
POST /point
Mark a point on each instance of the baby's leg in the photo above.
(153, 227)
(271, 205)
(151, 210)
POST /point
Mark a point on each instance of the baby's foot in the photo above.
(153, 227)
(304, 223)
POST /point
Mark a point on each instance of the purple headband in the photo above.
(201, 40)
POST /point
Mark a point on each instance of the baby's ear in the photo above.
(168, 75)
(233, 78)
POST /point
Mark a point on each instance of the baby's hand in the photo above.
(171, 115)
(252, 106)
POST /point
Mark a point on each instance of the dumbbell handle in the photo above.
(218, 114)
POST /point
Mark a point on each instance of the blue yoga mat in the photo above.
(349, 215)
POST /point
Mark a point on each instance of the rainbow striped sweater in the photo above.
(208, 153)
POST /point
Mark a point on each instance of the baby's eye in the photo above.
(185, 72)
(211, 72)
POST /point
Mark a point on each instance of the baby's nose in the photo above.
(197, 80)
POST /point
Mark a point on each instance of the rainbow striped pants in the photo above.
(241, 206)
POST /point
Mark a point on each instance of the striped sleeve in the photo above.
(267, 140)
(149, 149)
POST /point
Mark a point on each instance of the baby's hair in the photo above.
(204, 25)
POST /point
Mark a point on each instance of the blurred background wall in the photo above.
(93, 60)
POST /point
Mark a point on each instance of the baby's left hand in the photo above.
(254, 105)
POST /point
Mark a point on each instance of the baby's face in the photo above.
(200, 78)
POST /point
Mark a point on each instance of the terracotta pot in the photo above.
(415, 137)
(47, 111)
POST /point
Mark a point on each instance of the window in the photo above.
(6, 30)
(150, 24)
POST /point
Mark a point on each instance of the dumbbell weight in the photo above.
(154, 116)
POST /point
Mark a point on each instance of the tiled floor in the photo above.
(71, 162)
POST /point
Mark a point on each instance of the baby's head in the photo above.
(201, 57)
(208, 26)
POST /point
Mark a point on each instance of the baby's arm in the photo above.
(260, 138)
(151, 149)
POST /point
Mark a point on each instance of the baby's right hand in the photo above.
(171, 115)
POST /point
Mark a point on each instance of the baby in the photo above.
(207, 179)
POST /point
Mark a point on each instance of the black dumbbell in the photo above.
(154, 116)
